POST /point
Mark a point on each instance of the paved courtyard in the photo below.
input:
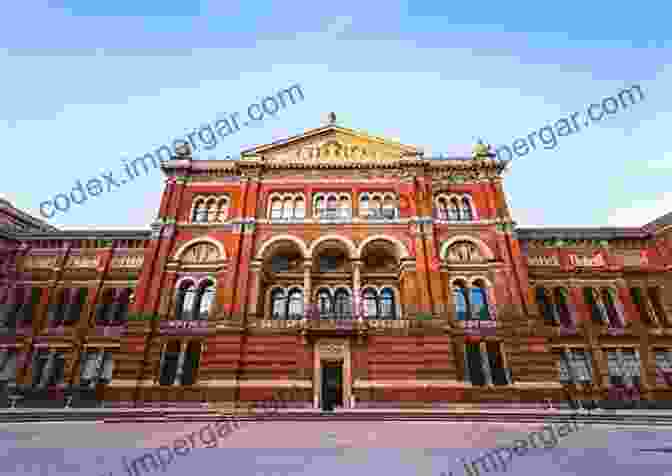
(325, 448)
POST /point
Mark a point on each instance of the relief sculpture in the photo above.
(201, 253)
(464, 252)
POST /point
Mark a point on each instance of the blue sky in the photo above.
(84, 85)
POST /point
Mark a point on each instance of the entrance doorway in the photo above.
(332, 385)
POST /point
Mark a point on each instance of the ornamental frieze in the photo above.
(337, 150)
(83, 261)
(633, 257)
(35, 262)
(127, 261)
(594, 261)
(464, 252)
(200, 253)
(542, 260)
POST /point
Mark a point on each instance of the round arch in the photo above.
(201, 239)
(483, 248)
(347, 242)
(401, 248)
(298, 241)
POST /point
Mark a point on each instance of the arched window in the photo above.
(300, 208)
(442, 210)
(200, 213)
(466, 210)
(562, 301)
(364, 206)
(343, 304)
(276, 209)
(325, 303)
(389, 208)
(545, 305)
(288, 209)
(610, 305)
(104, 306)
(454, 210)
(321, 206)
(332, 206)
(58, 307)
(344, 207)
(191, 361)
(223, 210)
(279, 304)
(376, 207)
(296, 304)
(387, 304)
(211, 210)
(77, 305)
(206, 297)
(479, 302)
(461, 301)
(598, 311)
(185, 301)
(370, 304)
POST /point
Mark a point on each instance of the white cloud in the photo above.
(661, 164)
(641, 212)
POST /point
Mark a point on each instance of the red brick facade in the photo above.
(340, 265)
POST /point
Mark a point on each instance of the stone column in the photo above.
(356, 285)
(255, 289)
(307, 286)
(180, 364)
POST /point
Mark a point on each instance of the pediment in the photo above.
(332, 145)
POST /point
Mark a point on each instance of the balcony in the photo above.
(333, 216)
(107, 330)
(478, 327)
(181, 328)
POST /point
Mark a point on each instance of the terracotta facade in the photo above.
(349, 269)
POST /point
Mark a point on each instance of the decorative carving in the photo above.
(587, 261)
(332, 348)
(543, 261)
(201, 253)
(40, 261)
(634, 257)
(83, 261)
(464, 252)
(127, 261)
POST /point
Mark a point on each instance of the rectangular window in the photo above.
(496, 360)
(578, 366)
(663, 367)
(8, 366)
(474, 364)
(564, 369)
(39, 364)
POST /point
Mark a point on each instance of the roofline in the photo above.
(582, 233)
(86, 235)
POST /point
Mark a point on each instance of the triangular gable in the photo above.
(332, 143)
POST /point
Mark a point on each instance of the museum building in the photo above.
(348, 270)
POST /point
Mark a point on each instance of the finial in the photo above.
(481, 150)
(330, 119)
(182, 150)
